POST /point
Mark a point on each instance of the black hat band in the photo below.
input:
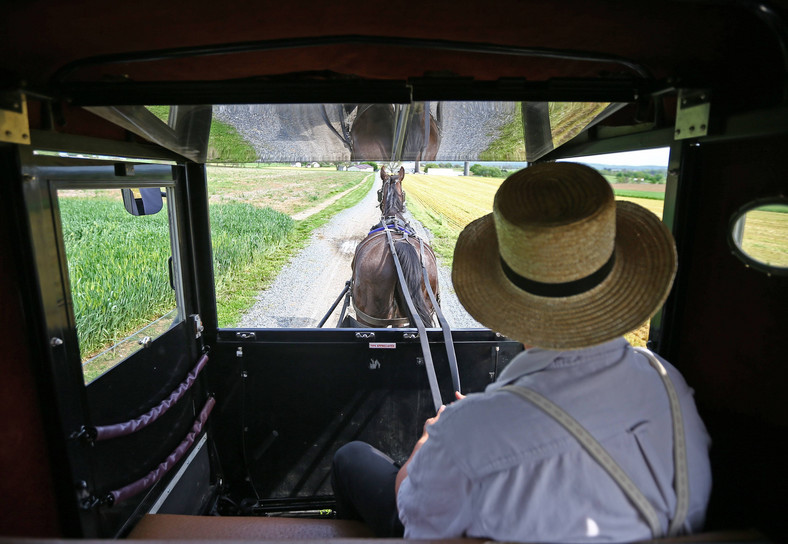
(566, 289)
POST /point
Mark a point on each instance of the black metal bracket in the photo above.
(89, 501)
(14, 126)
(86, 434)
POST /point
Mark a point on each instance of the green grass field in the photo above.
(765, 234)
(283, 189)
(648, 195)
(117, 266)
(118, 262)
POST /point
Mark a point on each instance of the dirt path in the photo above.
(308, 285)
(303, 214)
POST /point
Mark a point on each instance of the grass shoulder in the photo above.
(650, 195)
(235, 299)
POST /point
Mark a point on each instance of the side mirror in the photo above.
(757, 235)
(143, 201)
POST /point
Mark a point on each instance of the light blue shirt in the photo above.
(495, 466)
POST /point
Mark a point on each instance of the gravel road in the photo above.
(307, 286)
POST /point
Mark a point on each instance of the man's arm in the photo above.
(403, 471)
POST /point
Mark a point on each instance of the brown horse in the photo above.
(376, 292)
(379, 129)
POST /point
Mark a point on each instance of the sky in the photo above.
(646, 157)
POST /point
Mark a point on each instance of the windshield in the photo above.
(419, 131)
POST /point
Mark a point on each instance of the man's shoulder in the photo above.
(496, 430)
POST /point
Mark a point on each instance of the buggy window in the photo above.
(120, 271)
(294, 188)
(758, 235)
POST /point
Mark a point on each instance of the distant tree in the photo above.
(486, 171)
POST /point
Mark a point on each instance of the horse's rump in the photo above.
(376, 290)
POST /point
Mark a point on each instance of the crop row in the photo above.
(453, 200)
(118, 263)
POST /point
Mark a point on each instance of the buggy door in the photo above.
(124, 362)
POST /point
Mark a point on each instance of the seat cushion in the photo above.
(178, 527)
(169, 526)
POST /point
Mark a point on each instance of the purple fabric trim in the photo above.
(155, 475)
(115, 430)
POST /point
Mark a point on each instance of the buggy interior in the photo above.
(217, 431)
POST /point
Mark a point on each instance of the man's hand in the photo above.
(431, 421)
(403, 471)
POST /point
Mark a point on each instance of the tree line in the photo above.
(634, 176)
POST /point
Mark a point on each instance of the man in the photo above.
(582, 437)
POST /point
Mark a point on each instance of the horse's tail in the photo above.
(411, 269)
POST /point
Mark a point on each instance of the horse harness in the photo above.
(389, 227)
(389, 231)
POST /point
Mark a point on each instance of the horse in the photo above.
(391, 196)
(376, 292)
(378, 130)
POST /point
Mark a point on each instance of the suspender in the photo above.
(595, 449)
(680, 470)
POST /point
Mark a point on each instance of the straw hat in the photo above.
(559, 263)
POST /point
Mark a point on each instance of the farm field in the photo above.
(445, 204)
(118, 262)
(765, 236)
(117, 266)
(284, 189)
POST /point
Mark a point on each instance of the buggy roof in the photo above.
(176, 52)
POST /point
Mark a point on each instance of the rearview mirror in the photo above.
(143, 201)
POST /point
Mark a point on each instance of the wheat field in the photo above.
(455, 201)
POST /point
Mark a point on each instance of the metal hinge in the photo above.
(198, 327)
(692, 114)
(14, 126)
